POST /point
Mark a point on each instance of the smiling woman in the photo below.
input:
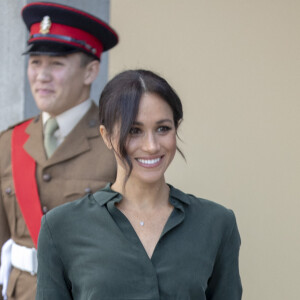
(139, 238)
(141, 119)
(151, 143)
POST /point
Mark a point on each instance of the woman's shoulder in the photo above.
(69, 210)
(203, 208)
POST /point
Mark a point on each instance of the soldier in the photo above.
(59, 155)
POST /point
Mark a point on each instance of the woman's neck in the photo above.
(141, 195)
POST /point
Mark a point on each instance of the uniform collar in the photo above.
(87, 128)
(69, 119)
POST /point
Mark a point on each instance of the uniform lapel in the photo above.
(34, 146)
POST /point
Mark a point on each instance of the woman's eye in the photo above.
(134, 130)
(163, 129)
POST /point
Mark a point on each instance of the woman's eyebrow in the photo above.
(158, 122)
(164, 121)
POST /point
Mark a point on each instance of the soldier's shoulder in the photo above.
(10, 128)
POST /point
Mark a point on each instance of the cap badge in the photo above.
(45, 25)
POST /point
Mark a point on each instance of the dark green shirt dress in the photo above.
(88, 250)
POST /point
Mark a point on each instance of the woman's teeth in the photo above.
(149, 161)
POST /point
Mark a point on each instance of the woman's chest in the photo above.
(114, 266)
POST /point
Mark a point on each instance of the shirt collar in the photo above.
(177, 198)
(179, 195)
(69, 119)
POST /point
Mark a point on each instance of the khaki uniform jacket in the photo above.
(80, 165)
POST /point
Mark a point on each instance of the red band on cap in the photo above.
(72, 9)
(69, 32)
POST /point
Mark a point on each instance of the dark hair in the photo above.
(120, 99)
(86, 59)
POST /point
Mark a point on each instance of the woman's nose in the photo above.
(150, 143)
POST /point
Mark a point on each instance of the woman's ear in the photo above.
(105, 137)
(91, 72)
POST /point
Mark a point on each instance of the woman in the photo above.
(139, 238)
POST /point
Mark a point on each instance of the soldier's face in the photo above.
(57, 82)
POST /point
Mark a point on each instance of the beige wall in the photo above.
(236, 67)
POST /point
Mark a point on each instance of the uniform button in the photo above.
(92, 123)
(45, 209)
(8, 191)
(46, 177)
(87, 190)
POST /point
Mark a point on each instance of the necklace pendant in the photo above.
(142, 223)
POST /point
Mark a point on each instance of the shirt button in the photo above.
(46, 177)
(8, 191)
(87, 190)
(45, 209)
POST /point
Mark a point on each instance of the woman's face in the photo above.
(151, 143)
